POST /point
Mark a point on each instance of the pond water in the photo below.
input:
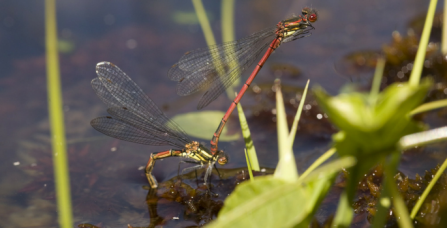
(144, 38)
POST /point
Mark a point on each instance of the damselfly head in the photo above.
(222, 158)
(310, 13)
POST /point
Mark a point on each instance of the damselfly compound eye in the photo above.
(312, 18)
(311, 14)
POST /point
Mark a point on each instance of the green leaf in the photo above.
(373, 124)
(344, 214)
(56, 118)
(286, 168)
(429, 106)
(251, 151)
(428, 189)
(423, 138)
(400, 99)
(203, 124)
(269, 202)
(264, 202)
(250, 169)
(416, 72)
(324, 157)
(298, 116)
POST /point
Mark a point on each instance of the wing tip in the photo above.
(104, 63)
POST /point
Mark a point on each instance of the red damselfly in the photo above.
(136, 118)
(216, 68)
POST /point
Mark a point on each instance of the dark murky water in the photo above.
(144, 38)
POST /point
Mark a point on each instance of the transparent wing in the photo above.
(217, 67)
(129, 105)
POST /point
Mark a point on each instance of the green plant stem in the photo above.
(429, 106)
(227, 13)
(422, 49)
(204, 22)
(298, 116)
(247, 159)
(444, 31)
(251, 151)
(427, 190)
(423, 138)
(318, 162)
(400, 209)
(344, 214)
(207, 32)
(375, 89)
(227, 20)
(383, 206)
(56, 116)
(384, 202)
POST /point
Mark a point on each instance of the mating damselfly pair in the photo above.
(135, 117)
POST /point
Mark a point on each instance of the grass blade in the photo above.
(247, 159)
(204, 22)
(427, 190)
(384, 202)
(286, 168)
(227, 13)
(375, 89)
(298, 116)
(423, 138)
(56, 116)
(207, 32)
(318, 162)
(422, 49)
(430, 106)
(344, 214)
(247, 138)
(400, 209)
(444, 31)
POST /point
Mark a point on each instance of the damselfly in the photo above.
(136, 118)
(217, 67)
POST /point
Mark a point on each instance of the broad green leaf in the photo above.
(321, 182)
(268, 201)
(373, 124)
(203, 124)
(398, 100)
(264, 202)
